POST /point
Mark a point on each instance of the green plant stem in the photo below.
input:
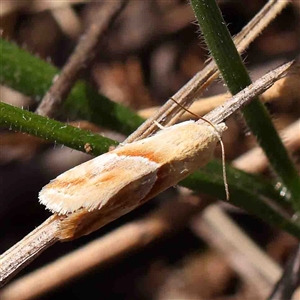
(32, 76)
(236, 77)
(48, 129)
(247, 191)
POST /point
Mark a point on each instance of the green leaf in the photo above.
(48, 129)
(236, 77)
(251, 193)
(32, 76)
(246, 191)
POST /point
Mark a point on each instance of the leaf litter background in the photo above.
(152, 50)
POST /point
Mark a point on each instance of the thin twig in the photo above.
(290, 279)
(80, 58)
(236, 77)
(247, 259)
(200, 107)
(169, 113)
(284, 90)
(128, 238)
(8, 271)
(253, 264)
(32, 245)
(255, 161)
(27, 284)
(239, 98)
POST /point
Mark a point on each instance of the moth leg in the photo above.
(158, 125)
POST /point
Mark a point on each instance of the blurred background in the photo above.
(153, 49)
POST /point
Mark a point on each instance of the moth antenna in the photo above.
(221, 143)
(224, 168)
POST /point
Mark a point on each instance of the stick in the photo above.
(290, 279)
(27, 287)
(7, 260)
(80, 58)
(255, 161)
(248, 260)
(187, 93)
(31, 246)
(285, 89)
(169, 113)
(238, 101)
(133, 236)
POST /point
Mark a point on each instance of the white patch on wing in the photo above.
(92, 184)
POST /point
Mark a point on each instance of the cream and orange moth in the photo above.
(99, 191)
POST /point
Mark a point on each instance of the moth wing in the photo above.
(92, 184)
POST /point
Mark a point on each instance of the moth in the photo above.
(99, 191)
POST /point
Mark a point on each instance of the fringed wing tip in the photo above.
(53, 206)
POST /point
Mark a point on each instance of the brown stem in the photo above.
(31, 246)
(170, 112)
(80, 58)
